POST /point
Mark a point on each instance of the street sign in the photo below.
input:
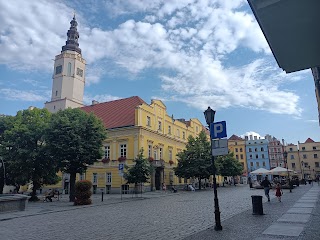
(220, 147)
(121, 166)
(218, 130)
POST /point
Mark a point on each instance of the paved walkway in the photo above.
(182, 215)
(63, 204)
(296, 217)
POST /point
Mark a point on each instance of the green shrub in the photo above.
(83, 193)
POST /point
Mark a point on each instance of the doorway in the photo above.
(158, 179)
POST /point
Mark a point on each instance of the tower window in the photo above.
(56, 93)
(69, 69)
(79, 72)
(59, 69)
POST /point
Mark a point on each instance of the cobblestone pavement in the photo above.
(170, 216)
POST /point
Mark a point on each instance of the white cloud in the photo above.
(191, 39)
(21, 95)
(251, 134)
(100, 98)
(312, 121)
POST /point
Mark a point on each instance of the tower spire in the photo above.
(73, 36)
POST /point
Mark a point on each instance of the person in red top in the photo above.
(279, 192)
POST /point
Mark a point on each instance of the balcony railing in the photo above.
(158, 163)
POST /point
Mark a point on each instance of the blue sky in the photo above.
(191, 54)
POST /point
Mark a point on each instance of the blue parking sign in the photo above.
(218, 130)
(121, 166)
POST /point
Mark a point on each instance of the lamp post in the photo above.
(285, 156)
(209, 115)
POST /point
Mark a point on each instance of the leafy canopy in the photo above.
(195, 159)
(75, 139)
(140, 172)
(228, 166)
(24, 148)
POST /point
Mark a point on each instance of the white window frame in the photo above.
(123, 150)
(95, 178)
(108, 178)
(107, 151)
(149, 150)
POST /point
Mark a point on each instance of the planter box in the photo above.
(13, 202)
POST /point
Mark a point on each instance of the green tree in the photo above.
(4, 120)
(140, 172)
(25, 152)
(195, 159)
(75, 139)
(228, 166)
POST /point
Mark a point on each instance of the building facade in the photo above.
(131, 125)
(275, 151)
(237, 146)
(316, 76)
(257, 154)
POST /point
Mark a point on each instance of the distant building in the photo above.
(237, 145)
(275, 150)
(257, 154)
(304, 158)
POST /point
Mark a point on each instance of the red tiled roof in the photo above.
(117, 113)
(309, 140)
(235, 137)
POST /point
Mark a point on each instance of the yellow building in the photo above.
(133, 124)
(237, 145)
(304, 158)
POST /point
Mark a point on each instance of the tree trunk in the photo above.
(72, 187)
(34, 191)
(1, 184)
(199, 183)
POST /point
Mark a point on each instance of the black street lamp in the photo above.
(209, 115)
(285, 156)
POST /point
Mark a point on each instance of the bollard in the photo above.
(257, 207)
(102, 196)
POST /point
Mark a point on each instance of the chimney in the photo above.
(94, 102)
(246, 138)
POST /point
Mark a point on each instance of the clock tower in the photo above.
(68, 75)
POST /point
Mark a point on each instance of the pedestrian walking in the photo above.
(279, 192)
(266, 186)
(164, 188)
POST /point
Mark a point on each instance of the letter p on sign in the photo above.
(218, 130)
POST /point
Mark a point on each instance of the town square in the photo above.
(159, 119)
